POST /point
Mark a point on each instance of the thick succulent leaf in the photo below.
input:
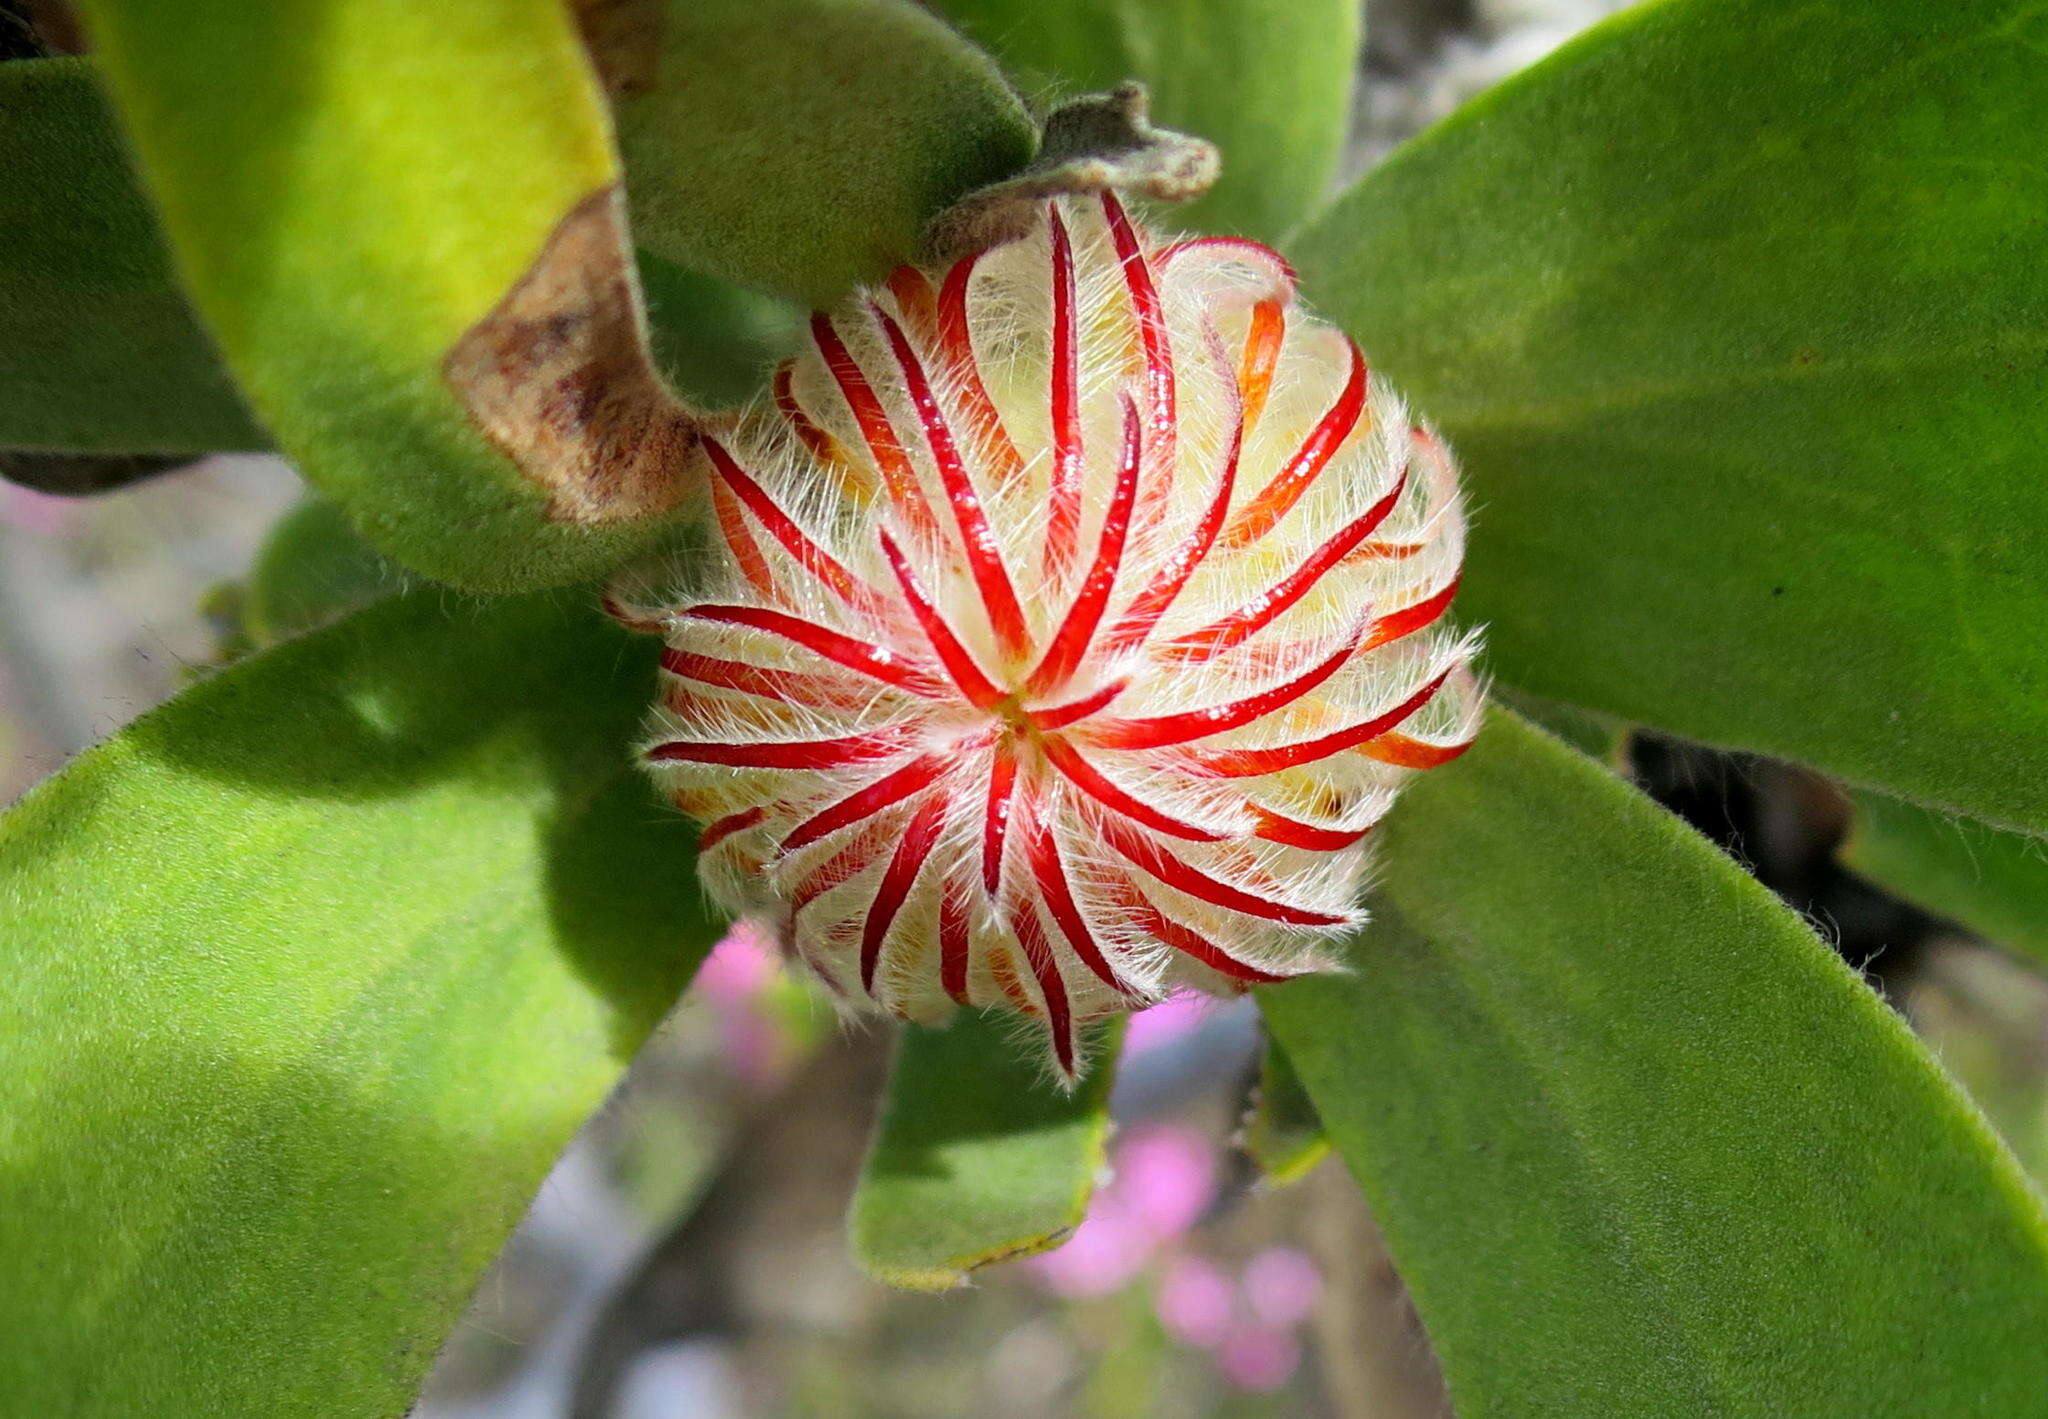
(1640, 1143)
(1269, 84)
(715, 342)
(1991, 881)
(801, 145)
(98, 349)
(1283, 1133)
(1737, 313)
(978, 1157)
(313, 569)
(310, 974)
(379, 179)
(101, 349)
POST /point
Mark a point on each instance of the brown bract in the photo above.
(560, 377)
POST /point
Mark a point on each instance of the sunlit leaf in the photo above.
(373, 182)
(102, 352)
(978, 1157)
(311, 974)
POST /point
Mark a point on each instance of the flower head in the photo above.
(1071, 616)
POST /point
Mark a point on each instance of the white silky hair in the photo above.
(821, 894)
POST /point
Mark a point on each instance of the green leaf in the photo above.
(1640, 1143)
(801, 145)
(101, 350)
(1284, 1134)
(1596, 735)
(376, 179)
(98, 350)
(1269, 84)
(1995, 883)
(978, 1157)
(310, 975)
(1736, 312)
(714, 342)
(313, 568)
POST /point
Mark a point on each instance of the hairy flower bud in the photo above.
(1072, 615)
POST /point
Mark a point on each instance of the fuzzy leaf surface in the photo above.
(1736, 312)
(375, 181)
(103, 351)
(99, 350)
(977, 1158)
(1639, 1142)
(801, 145)
(716, 342)
(313, 569)
(1993, 882)
(1269, 84)
(310, 975)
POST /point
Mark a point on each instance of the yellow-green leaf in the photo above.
(1283, 1134)
(350, 190)
(310, 975)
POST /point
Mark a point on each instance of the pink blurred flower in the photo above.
(734, 982)
(739, 967)
(1250, 1324)
(1163, 1177)
(1282, 1287)
(1166, 1176)
(1258, 1358)
(1102, 1256)
(1169, 1020)
(1194, 1303)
